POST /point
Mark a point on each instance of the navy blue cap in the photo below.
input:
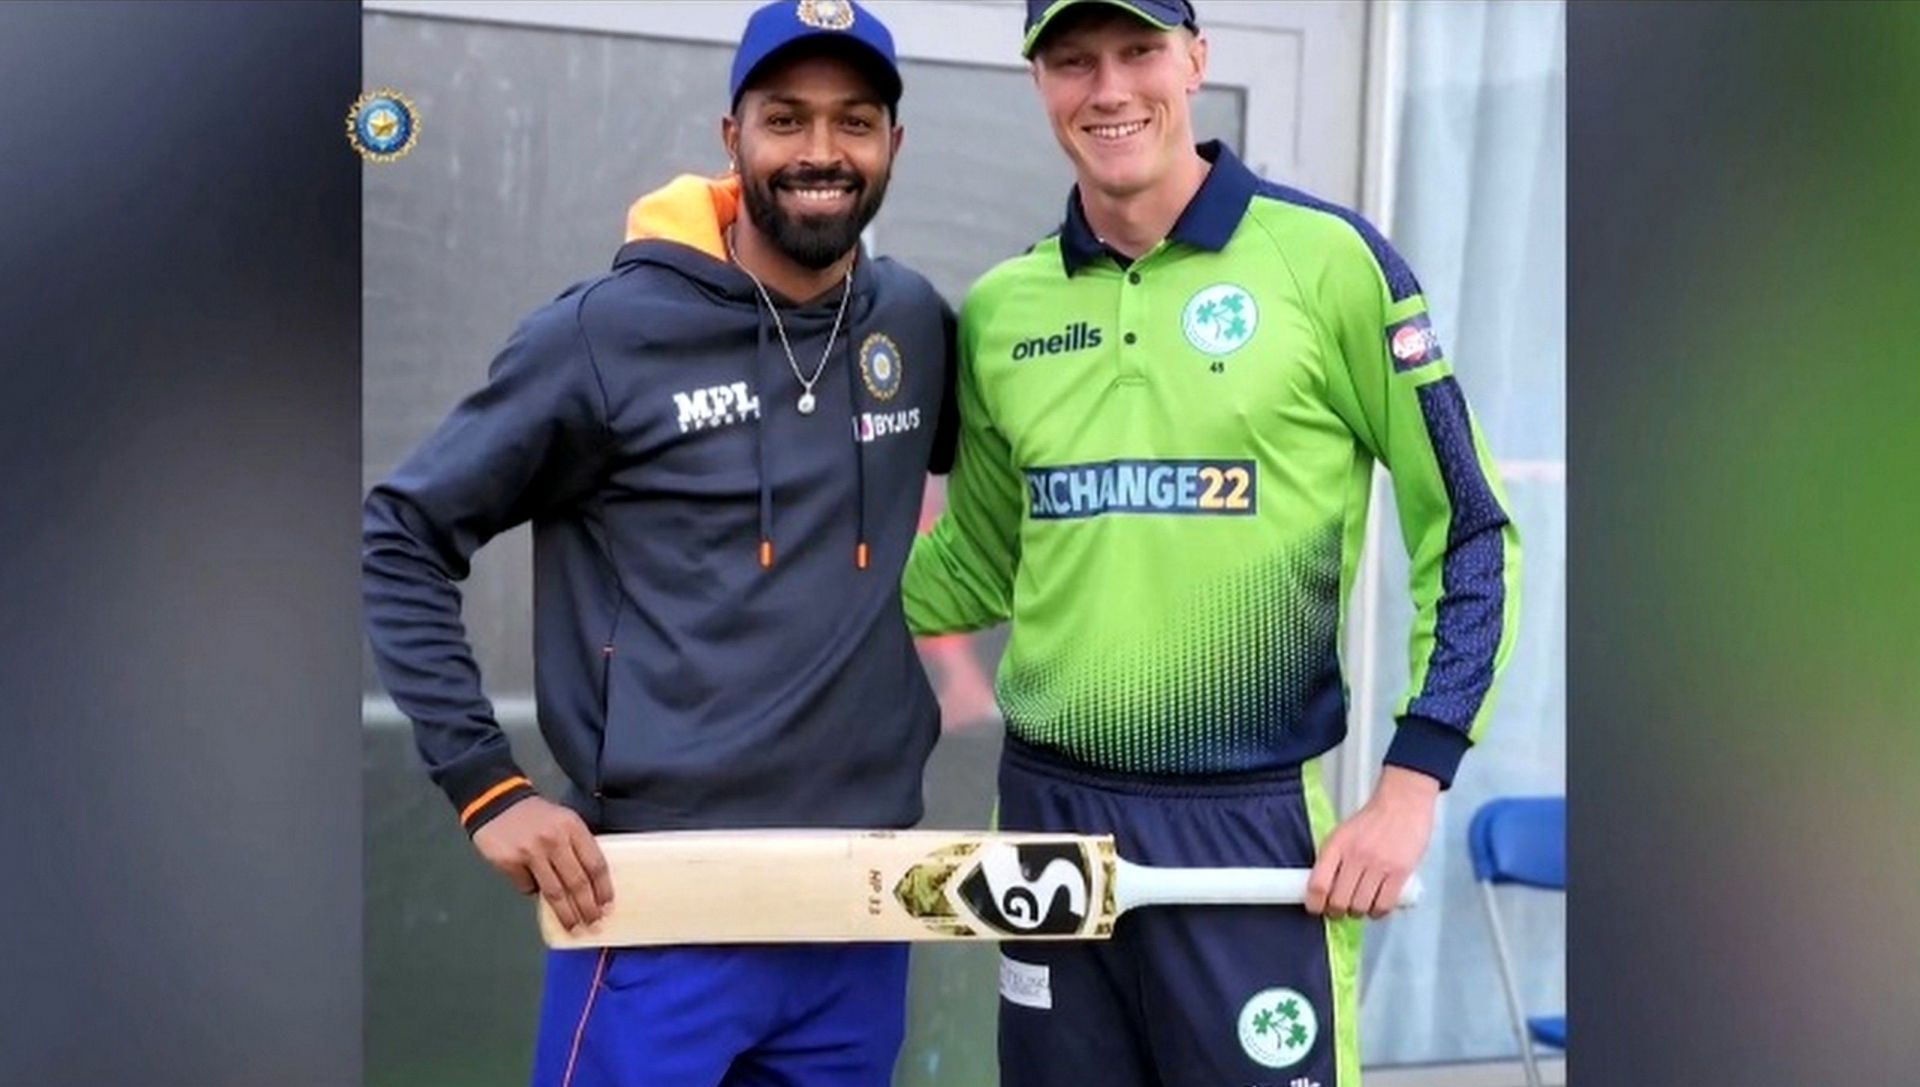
(787, 22)
(1164, 14)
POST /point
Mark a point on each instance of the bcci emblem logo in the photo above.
(383, 125)
(880, 366)
(1278, 1027)
(826, 14)
(1220, 319)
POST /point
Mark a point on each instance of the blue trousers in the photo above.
(800, 1015)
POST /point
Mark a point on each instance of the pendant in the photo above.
(806, 403)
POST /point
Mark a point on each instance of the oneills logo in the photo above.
(1078, 336)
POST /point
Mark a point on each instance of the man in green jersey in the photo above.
(1171, 413)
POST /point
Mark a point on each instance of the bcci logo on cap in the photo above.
(383, 125)
(826, 14)
(880, 366)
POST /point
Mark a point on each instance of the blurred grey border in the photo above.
(179, 613)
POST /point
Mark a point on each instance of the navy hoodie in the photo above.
(718, 635)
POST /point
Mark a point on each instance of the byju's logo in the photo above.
(871, 425)
(1078, 336)
(717, 405)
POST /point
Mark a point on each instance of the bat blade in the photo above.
(801, 886)
(827, 886)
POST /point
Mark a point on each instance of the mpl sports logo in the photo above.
(1413, 343)
(716, 405)
(1036, 890)
(1067, 492)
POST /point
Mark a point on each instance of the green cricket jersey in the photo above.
(1163, 481)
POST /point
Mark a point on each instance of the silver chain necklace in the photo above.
(806, 402)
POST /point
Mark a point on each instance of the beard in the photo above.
(812, 241)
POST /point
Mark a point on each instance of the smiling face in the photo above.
(814, 143)
(1116, 91)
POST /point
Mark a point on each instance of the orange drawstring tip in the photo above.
(766, 554)
(860, 556)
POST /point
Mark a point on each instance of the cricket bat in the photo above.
(808, 886)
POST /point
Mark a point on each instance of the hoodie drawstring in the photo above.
(760, 443)
(862, 554)
(860, 550)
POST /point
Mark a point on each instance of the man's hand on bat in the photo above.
(544, 848)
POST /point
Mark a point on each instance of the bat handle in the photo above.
(1140, 885)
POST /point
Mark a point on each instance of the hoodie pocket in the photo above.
(630, 765)
(606, 719)
(603, 700)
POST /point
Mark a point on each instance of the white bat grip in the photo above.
(1140, 885)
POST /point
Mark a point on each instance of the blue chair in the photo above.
(1521, 840)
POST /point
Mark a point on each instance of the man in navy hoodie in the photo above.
(720, 445)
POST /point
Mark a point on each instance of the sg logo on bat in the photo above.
(1032, 890)
(1025, 889)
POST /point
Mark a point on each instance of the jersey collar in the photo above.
(1207, 222)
